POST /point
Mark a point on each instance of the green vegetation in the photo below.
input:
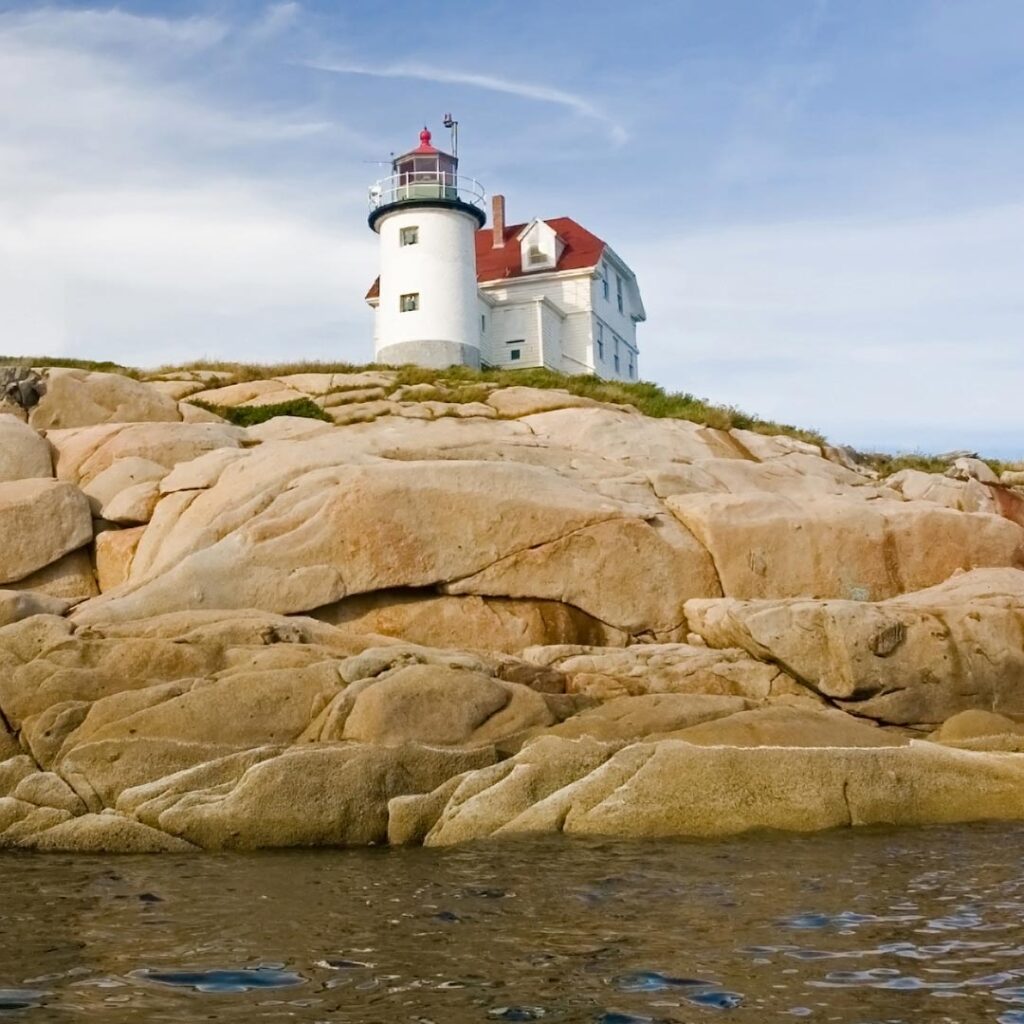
(462, 384)
(72, 364)
(250, 415)
(885, 465)
(648, 398)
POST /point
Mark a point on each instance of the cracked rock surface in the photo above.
(430, 618)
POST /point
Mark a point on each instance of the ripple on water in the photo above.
(516, 1013)
(223, 981)
(653, 981)
(19, 999)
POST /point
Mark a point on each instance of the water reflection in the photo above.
(864, 927)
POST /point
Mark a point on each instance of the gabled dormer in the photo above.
(540, 246)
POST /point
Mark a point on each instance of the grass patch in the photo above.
(41, 362)
(250, 415)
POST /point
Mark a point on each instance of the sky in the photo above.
(823, 201)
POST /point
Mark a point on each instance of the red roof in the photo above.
(582, 251)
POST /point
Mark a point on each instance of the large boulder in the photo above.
(324, 795)
(23, 453)
(674, 788)
(40, 520)
(81, 455)
(82, 398)
(325, 535)
(16, 605)
(771, 546)
(496, 624)
(917, 659)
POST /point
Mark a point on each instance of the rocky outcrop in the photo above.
(916, 659)
(454, 610)
(23, 453)
(80, 398)
(40, 521)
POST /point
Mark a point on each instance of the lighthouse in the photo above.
(427, 216)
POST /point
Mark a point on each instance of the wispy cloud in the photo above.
(528, 90)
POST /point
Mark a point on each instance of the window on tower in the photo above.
(409, 236)
(409, 302)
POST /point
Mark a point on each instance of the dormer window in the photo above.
(540, 247)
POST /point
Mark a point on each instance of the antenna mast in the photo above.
(454, 126)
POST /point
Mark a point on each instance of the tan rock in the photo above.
(336, 398)
(115, 550)
(81, 455)
(233, 395)
(350, 530)
(789, 727)
(519, 401)
(16, 605)
(70, 578)
(497, 624)
(614, 434)
(103, 488)
(632, 718)
(775, 547)
(81, 398)
(46, 789)
(327, 795)
(40, 520)
(974, 724)
(670, 668)
(633, 575)
(288, 428)
(1012, 477)
(196, 414)
(673, 788)
(772, 446)
(23, 453)
(916, 659)
(441, 706)
(325, 383)
(105, 833)
(972, 469)
(134, 505)
(176, 389)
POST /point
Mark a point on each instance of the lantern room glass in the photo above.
(422, 176)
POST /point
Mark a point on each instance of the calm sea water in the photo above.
(851, 926)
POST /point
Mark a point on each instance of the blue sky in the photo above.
(823, 200)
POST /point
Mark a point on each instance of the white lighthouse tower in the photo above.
(427, 217)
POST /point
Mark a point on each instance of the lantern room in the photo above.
(426, 175)
(426, 172)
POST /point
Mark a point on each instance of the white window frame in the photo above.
(410, 306)
(409, 235)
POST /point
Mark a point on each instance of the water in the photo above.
(866, 927)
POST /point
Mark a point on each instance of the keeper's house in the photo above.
(452, 291)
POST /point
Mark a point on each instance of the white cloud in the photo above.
(528, 90)
(895, 333)
(137, 221)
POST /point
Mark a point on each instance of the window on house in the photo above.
(409, 302)
(632, 368)
(616, 363)
(604, 282)
(600, 342)
(483, 323)
(536, 255)
(408, 236)
(618, 291)
(515, 354)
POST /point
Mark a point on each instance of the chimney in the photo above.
(498, 220)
